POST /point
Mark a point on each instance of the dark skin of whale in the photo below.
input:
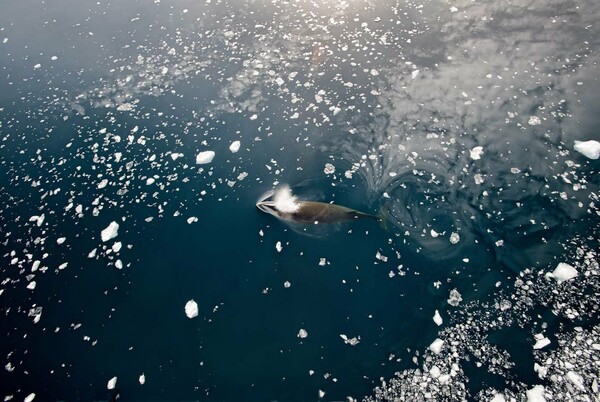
(320, 212)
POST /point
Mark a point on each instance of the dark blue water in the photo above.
(104, 107)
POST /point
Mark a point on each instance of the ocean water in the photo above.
(462, 125)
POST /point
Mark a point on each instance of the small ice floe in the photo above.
(119, 264)
(102, 183)
(205, 157)
(286, 284)
(329, 168)
(150, 181)
(536, 394)
(374, 72)
(476, 153)
(322, 261)
(176, 155)
(454, 238)
(437, 318)
(112, 383)
(29, 397)
(563, 272)
(478, 179)
(60, 240)
(31, 285)
(534, 121)
(576, 379)
(540, 341)
(455, 298)
(302, 333)
(434, 234)
(192, 219)
(278, 247)
(350, 341)
(321, 394)
(436, 346)
(235, 146)
(142, 379)
(191, 309)
(590, 149)
(111, 231)
(117, 246)
(414, 74)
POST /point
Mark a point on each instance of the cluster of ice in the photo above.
(476, 153)
(563, 272)
(285, 201)
(191, 309)
(205, 157)
(111, 231)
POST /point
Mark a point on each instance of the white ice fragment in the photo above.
(142, 379)
(176, 155)
(536, 394)
(112, 383)
(478, 179)
(576, 379)
(590, 149)
(322, 261)
(119, 264)
(329, 168)
(60, 240)
(476, 153)
(534, 121)
(455, 298)
(350, 341)
(35, 266)
(414, 74)
(235, 146)
(103, 183)
(37, 66)
(286, 284)
(436, 346)
(92, 253)
(29, 397)
(191, 309)
(321, 393)
(302, 333)
(374, 72)
(278, 247)
(454, 238)
(563, 272)
(498, 398)
(192, 219)
(117, 247)
(437, 318)
(435, 372)
(150, 180)
(204, 157)
(164, 70)
(111, 231)
(541, 343)
(31, 285)
(279, 81)
(63, 265)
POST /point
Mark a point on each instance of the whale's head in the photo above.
(268, 207)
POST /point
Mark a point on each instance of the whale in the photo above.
(287, 207)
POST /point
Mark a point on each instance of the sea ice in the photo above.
(31, 285)
(278, 247)
(110, 232)
(61, 240)
(576, 379)
(119, 264)
(536, 394)
(235, 146)
(541, 342)
(590, 149)
(563, 272)
(205, 157)
(476, 153)
(112, 383)
(437, 318)
(29, 397)
(454, 238)
(142, 379)
(534, 121)
(150, 180)
(302, 333)
(191, 309)
(436, 346)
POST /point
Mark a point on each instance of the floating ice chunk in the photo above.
(454, 238)
(563, 272)
(117, 247)
(374, 72)
(37, 66)
(350, 341)
(278, 247)
(60, 240)
(235, 146)
(205, 157)
(29, 397)
(192, 219)
(35, 266)
(455, 298)
(321, 393)
(437, 318)
(164, 70)
(576, 379)
(176, 155)
(434, 234)
(191, 309)
(112, 383)
(285, 201)
(436, 346)
(541, 342)
(286, 284)
(478, 178)
(590, 149)
(150, 180)
(534, 121)
(142, 379)
(279, 81)
(92, 253)
(322, 261)
(498, 398)
(31, 285)
(103, 183)
(435, 372)
(476, 153)
(329, 168)
(119, 264)
(414, 74)
(536, 394)
(302, 333)
(111, 231)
